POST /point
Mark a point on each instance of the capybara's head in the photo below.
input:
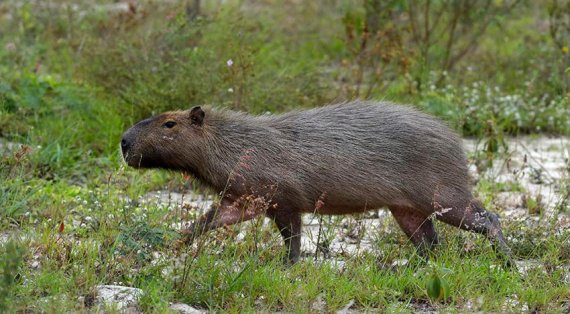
(169, 140)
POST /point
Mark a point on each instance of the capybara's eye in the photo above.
(169, 124)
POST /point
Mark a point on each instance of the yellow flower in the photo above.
(565, 50)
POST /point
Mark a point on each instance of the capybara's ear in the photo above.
(197, 115)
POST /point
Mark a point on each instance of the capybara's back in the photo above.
(336, 159)
(366, 155)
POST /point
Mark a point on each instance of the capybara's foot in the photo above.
(290, 260)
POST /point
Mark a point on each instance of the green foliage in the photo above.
(483, 110)
(11, 258)
(142, 239)
(437, 287)
(200, 61)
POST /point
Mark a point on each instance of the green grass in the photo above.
(73, 79)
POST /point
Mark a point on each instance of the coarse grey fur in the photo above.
(337, 159)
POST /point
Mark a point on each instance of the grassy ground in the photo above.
(73, 77)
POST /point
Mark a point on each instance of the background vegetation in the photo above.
(75, 75)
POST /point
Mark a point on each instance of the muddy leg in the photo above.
(417, 227)
(476, 219)
(228, 213)
(289, 225)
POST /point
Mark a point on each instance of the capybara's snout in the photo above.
(127, 141)
(135, 152)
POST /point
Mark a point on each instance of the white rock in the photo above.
(509, 200)
(122, 297)
(35, 265)
(177, 200)
(132, 310)
(346, 308)
(185, 309)
(8, 147)
(319, 305)
(4, 237)
(525, 266)
(400, 262)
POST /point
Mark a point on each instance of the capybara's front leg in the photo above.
(289, 225)
(417, 227)
(226, 214)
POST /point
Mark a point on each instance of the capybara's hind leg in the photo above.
(289, 225)
(475, 218)
(417, 227)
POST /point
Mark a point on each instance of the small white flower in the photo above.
(230, 62)
(230, 90)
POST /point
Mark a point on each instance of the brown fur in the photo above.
(338, 159)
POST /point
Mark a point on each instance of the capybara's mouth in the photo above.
(133, 160)
(138, 161)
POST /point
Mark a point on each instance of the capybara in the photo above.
(337, 159)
